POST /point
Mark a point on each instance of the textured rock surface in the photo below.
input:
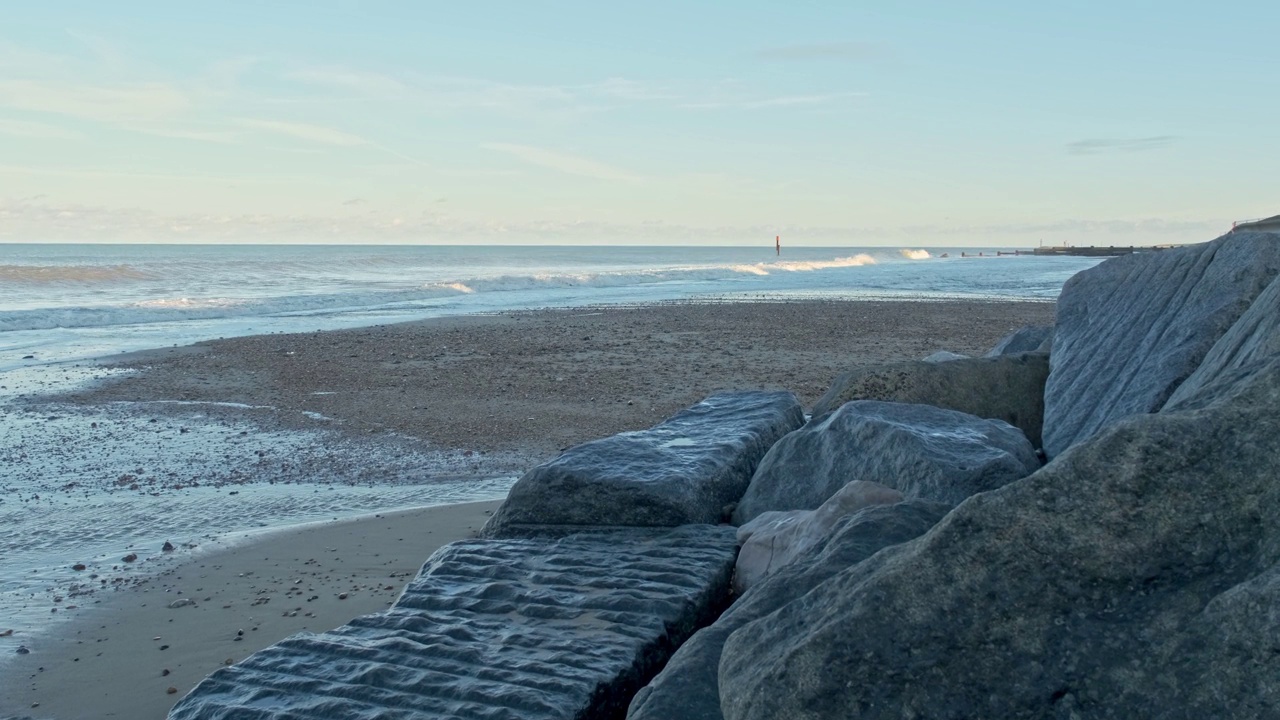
(1008, 388)
(944, 356)
(495, 629)
(1134, 576)
(1131, 329)
(1253, 338)
(685, 470)
(775, 539)
(688, 688)
(1028, 339)
(920, 450)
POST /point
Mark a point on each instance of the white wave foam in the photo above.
(915, 254)
(811, 265)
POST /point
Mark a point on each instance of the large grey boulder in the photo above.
(1031, 338)
(1133, 328)
(495, 629)
(685, 470)
(920, 450)
(688, 687)
(1254, 338)
(775, 539)
(1137, 575)
(1008, 388)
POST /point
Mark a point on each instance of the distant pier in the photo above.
(1098, 250)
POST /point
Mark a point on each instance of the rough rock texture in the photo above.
(686, 469)
(1253, 338)
(775, 539)
(944, 356)
(920, 450)
(1131, 329)
(495, 629)
(1008, 388)
(687, 688)
(1137, 575)
(1028, 339)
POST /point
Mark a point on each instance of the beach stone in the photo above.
(1136, 575)
(512, 629)
(181, 602)
(688, 687)
(1008, 387)
(1130, 330)
(919, 450)
(683, 470)
(774, 539)
(943, 356)
(1027, 339)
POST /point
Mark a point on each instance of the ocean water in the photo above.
(90, 485)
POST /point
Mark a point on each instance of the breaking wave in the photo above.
(915, 254)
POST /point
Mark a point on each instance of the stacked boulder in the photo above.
(598, 566)
(1135, 575)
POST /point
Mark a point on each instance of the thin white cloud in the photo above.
(563, 162)
(43, 131)
(303, 131)
(346, 79)
(847, 51)
(773, 102)
(1097, 146)
(107, 103)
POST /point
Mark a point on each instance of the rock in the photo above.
(919, 450)
(1008, 388)
(171, 690)
(78, 566)
(1253, 339)
(181, 602)
(774, 539)
(23, 650)
(1028, 339)
(684, 470)
(1133, 328)
(168, 547)
(944, 356)
(1137, 575)
(688, 688)
(518, 628)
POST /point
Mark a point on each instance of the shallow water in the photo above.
(89, 485)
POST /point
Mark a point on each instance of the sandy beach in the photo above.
(504, 392)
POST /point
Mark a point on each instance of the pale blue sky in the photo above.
(851, 123)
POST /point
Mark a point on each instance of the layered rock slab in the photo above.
(1007, 387)
(919, 450)
(775, 539)
(1137, 575)
(1032, 338)
(684, 470)
(1133, 328)
(495, 629)
(688, 687)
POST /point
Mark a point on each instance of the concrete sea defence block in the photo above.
(686, 469)
(512, 629)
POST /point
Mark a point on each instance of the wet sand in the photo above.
(120, 659)
(502, 392)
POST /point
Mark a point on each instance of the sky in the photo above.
(724, 123)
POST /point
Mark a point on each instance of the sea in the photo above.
(81, 488)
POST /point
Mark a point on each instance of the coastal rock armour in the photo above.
(919, 450)
(1137, 575)
(495, 629)
(1130, 330)
(1032, 338)
(688, 687)
(684, 470)
(1253, 338)
(1008, 387)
